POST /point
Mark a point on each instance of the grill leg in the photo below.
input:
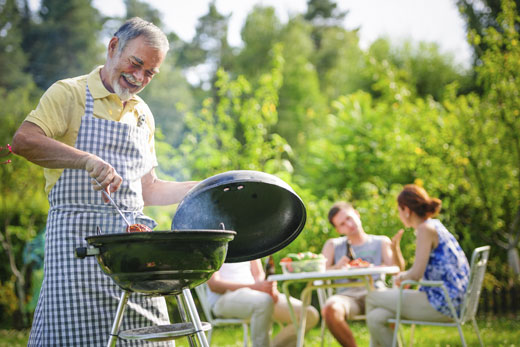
(194, 317)
(119, 317)
(181, 304)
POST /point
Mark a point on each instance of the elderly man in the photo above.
(89, 128)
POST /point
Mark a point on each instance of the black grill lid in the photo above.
(264, 211)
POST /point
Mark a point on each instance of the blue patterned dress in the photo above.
(448, 264)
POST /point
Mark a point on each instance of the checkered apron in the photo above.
(78, 302)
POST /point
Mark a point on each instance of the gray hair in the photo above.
(135, 27)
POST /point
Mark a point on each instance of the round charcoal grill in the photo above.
(160, 263)
(263, 214)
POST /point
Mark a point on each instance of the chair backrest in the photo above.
(201, 291)
(478, 265)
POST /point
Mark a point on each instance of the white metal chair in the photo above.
(323, 294)
(201, 293)
(469, 305)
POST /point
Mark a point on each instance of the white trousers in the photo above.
(381, 305)
(261, 310)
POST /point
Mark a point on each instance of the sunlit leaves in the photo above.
(233, 130)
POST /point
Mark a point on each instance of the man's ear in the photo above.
(113, 46)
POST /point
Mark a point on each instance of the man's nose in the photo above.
(139, 75)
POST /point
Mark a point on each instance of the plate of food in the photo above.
(359, 263)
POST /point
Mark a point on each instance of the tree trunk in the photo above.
(5, 241)
(513, 260)
(512, 251)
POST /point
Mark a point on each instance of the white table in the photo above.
(317, 280)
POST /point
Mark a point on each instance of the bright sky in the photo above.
(419, 20)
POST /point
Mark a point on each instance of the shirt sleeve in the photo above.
(53, 110)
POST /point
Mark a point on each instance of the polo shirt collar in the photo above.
(97, 88)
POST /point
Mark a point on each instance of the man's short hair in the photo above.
(340, 205)
(135, 27)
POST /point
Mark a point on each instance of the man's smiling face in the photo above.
(130, 70)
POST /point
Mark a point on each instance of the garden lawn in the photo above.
(496, 332)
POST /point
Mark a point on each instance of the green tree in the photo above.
(489, 128)
(136, 8)
(261, 31)
(209, 48)
(338, 58)
(425, 68)
(232, 132)
(12, 55)
(301, 104)
(370, 146)
(323, 14)
(362, 152)
(64, 42)
(340, 62)
(22, 200)
(480, 16)
(23, 209)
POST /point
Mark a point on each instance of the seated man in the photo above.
(239, 290)
(376, 249)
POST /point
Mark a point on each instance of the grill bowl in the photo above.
(161, 262)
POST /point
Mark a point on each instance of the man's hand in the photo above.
(268, 287)
(104, 173)
(31, 142)
(398, 279)
(343, 263)
(275, 293)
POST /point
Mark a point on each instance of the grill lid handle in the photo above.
(82, 252)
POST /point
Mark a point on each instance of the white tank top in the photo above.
(236, 272)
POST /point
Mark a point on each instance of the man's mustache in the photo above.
(131, 79)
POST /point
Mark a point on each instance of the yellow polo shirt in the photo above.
(62, 106)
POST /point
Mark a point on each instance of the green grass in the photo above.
(13, 338)
(496, 332)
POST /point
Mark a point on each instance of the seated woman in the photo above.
(438, 257)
